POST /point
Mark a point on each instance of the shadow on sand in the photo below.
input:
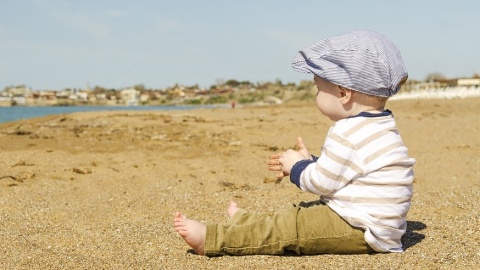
(412, 236)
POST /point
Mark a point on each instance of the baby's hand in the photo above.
(288, 159)
(302, 149)
(274, 164)
(284, 162)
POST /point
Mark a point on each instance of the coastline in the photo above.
(6, 115)
(15, 113)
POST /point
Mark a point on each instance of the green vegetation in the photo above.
(242, 92)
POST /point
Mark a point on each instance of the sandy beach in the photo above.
(98, 190)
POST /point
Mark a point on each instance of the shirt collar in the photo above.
(368, 114)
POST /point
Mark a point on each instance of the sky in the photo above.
(58, 44)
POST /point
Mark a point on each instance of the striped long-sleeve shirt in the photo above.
(365, 175)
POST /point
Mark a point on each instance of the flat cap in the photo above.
(361, 60)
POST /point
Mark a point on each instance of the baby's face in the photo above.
(328, 99)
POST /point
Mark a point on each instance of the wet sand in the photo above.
(98, 190)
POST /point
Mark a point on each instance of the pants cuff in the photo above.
(211, 240)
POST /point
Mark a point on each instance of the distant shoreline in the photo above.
(16, 113)
(20, 112)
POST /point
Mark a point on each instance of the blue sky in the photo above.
(56, 44)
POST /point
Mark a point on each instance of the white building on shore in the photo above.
(130, 96)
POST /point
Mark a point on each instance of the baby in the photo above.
(363, 174)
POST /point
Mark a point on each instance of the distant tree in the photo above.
(139, 87)
(111, 93)
(195, 86)
(232, 83)
(99, 89)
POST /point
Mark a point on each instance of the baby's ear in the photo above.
(345, 94)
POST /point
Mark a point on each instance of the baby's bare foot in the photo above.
(192, 231)
(232, 209)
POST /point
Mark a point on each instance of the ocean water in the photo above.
(15, 113)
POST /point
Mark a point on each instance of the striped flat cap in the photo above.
(361, 60)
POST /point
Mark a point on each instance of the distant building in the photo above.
(468, 82)
(19, 91)
(82, 95)
(5, 101)
(427, 85)
(145, 97)
(130, 96)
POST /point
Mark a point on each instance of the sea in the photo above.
(15, 113)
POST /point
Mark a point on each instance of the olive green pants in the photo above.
(310, 228)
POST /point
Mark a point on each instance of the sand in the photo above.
(98, 190)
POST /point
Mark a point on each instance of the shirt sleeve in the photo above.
(337, 165)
